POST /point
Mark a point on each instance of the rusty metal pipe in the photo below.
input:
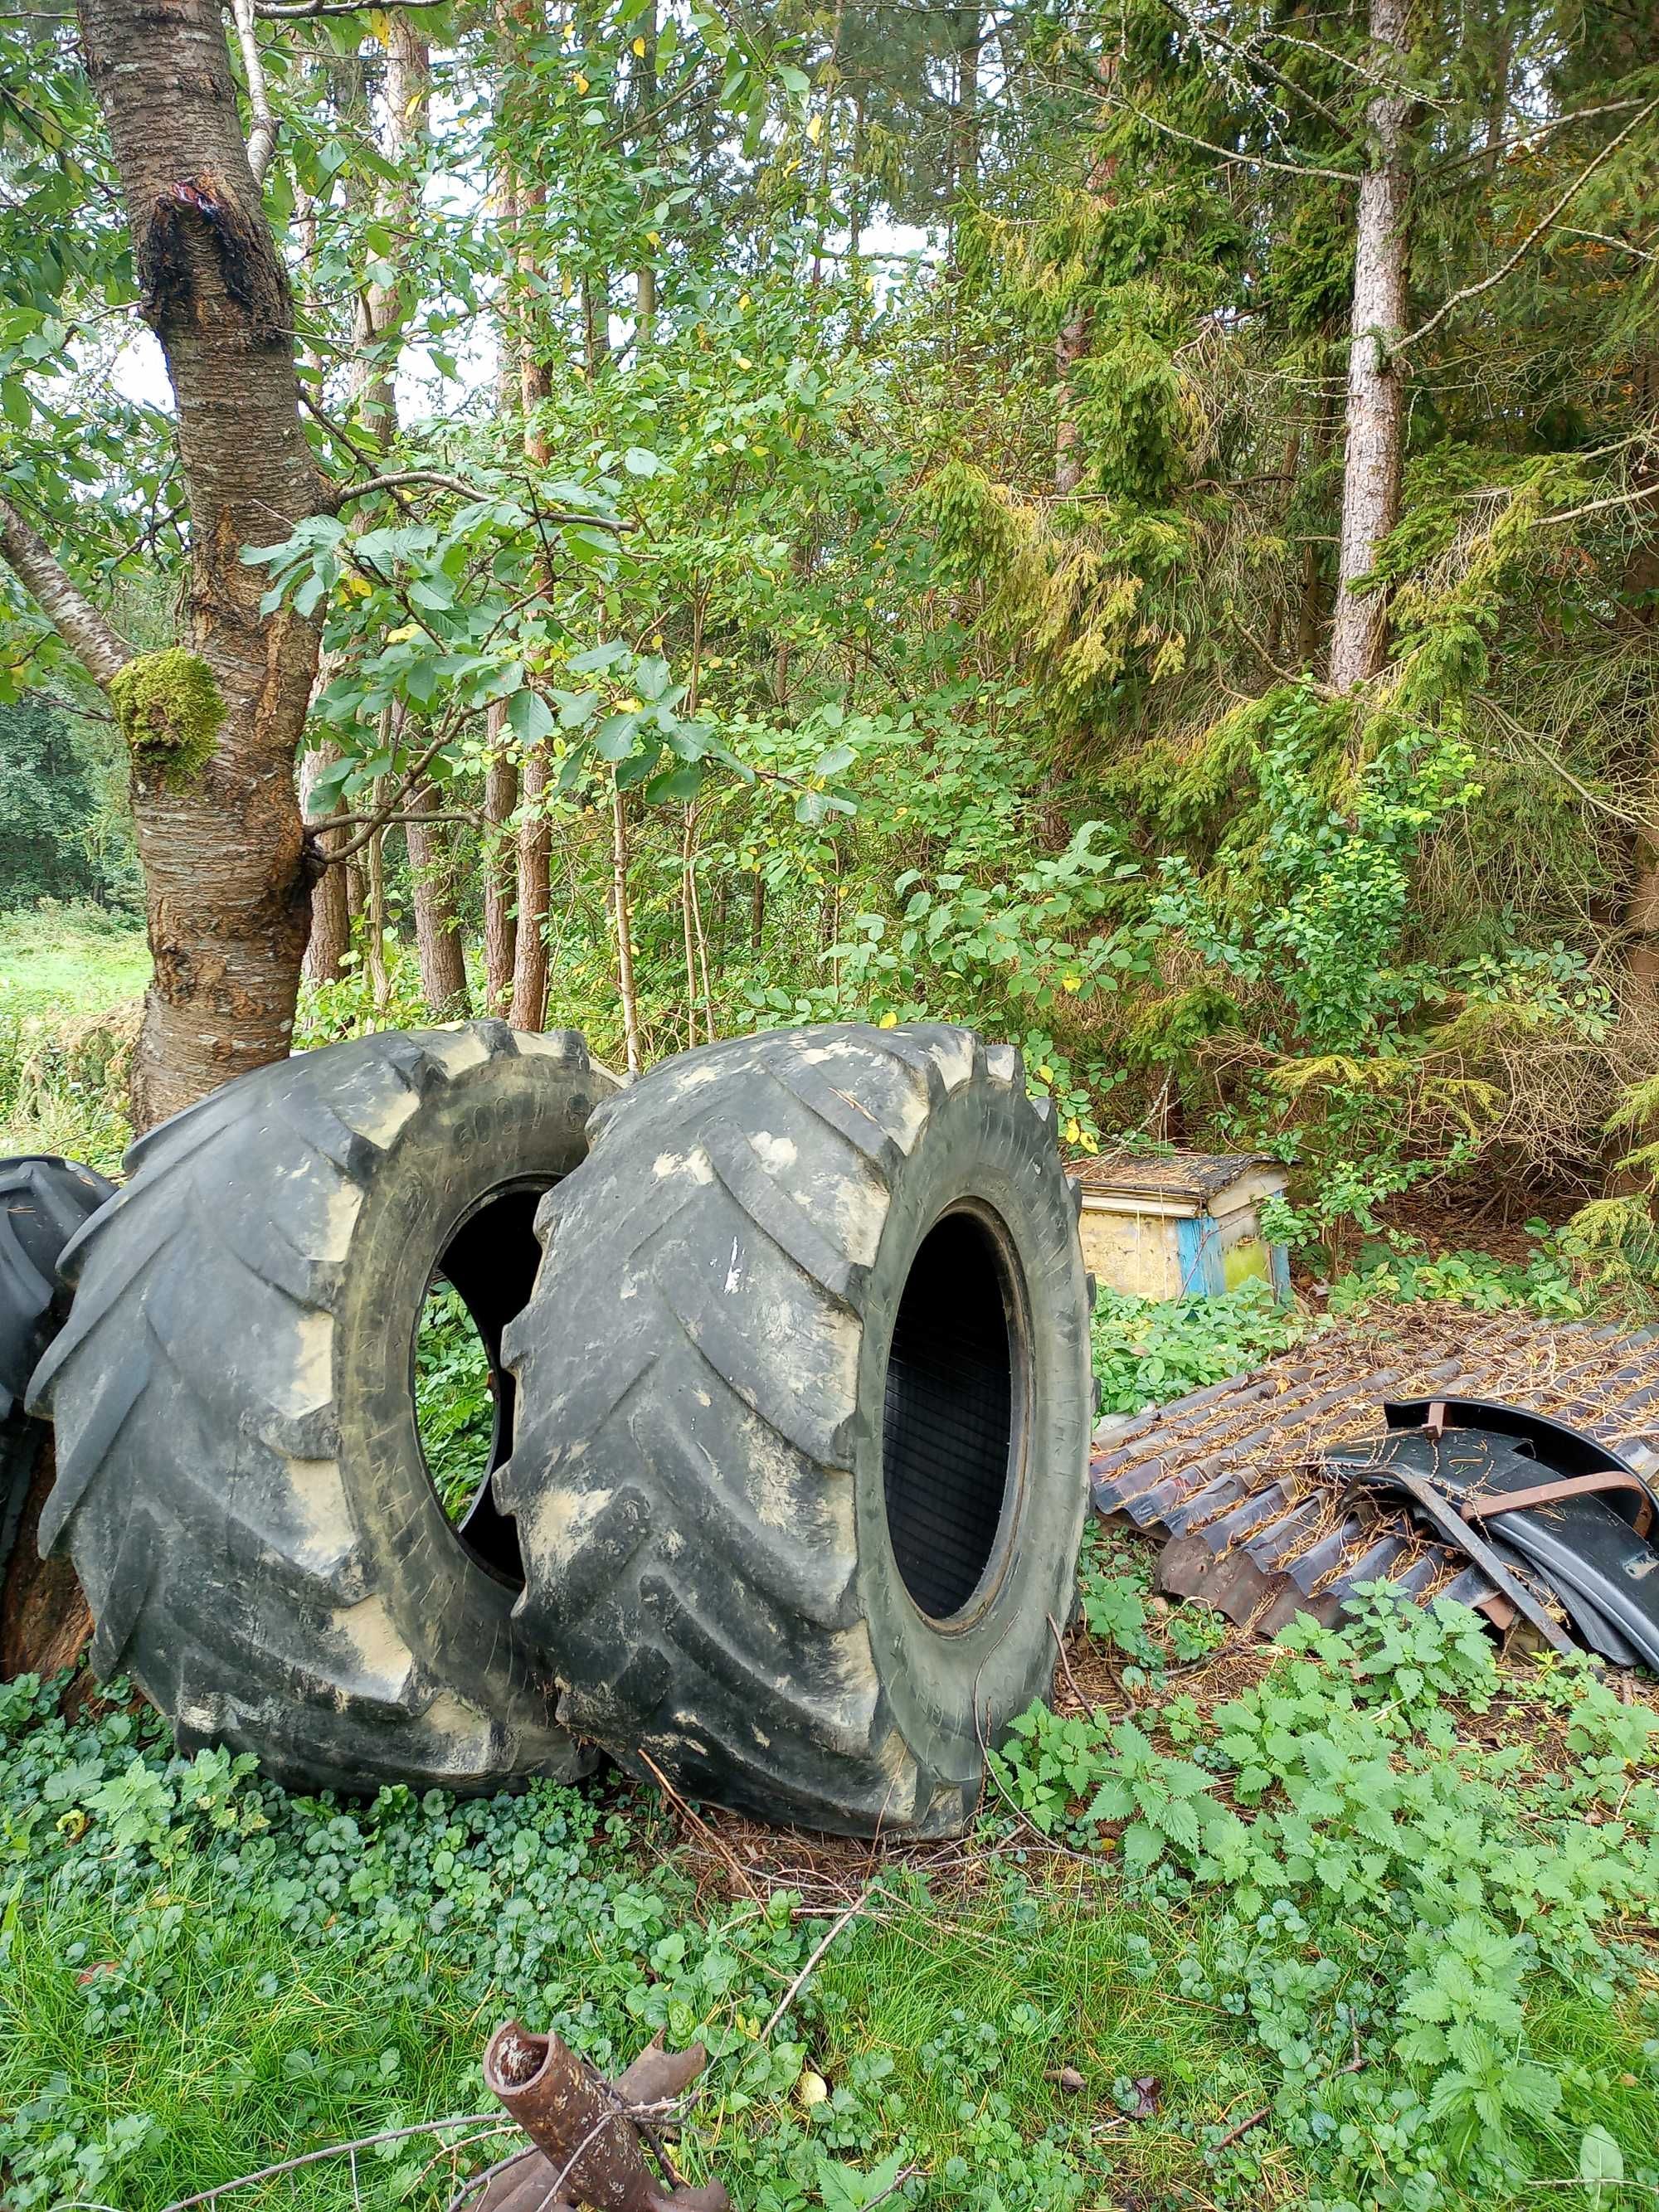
(589, 2129)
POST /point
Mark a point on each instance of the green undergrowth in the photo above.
(1421, 1886)
(1550, 1281)
(1391, 1900)
(1147, 1350)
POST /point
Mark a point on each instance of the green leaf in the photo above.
(529, 716)
(1601, 2161)
(598, 657)
(640, 461)
(681, 783)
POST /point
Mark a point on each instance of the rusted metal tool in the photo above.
(590, 2136)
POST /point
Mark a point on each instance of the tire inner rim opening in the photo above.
(464, 1397)
(952, 1414)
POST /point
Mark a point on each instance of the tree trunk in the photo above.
(1070, 347)
(1377, 391)
(1639, 615)
(624, 930)
(644, 88)
(382, 308)
(535, 847)
(501, 930)
(216, 813)
(967, 38)
(517, 19)
(331, 915)
(45, 1623)
(1313, 607)
(437, 926)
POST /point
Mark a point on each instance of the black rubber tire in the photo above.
(240, 1481)
(43, 1201)
(701, 1477)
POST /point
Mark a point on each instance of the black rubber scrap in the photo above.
(43, 1202)
(1458, 1459)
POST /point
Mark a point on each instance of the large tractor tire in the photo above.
(43, 1201)
(240, 1479)
(801, 1475)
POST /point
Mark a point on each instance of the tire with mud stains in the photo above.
(801, 1475)
(240, 1477)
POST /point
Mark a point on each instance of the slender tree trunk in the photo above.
(1376, 393)
(518, 20)
(407, 91)
(499, 885)
(688, 929)
(535, 849)
(379, 983)
(330, 916)
(624, 930)
(967, 38)
(437, 926)
(1071, 347)
(1313, 604)
(226, 875)
(1639, 617)
(645, 99)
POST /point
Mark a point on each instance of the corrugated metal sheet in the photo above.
(1232, 1476)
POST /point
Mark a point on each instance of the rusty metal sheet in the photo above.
(1231, 1476)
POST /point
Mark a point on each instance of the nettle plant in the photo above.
(1388, 1906)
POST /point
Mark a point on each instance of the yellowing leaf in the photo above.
(888, 1022)
(1071, 982)
(639, 47)
(627, 706)
(653, 237)
(581, 82)
(402, 636)
(815, 129)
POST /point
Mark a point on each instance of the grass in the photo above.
(201, 1974)
(75, 960)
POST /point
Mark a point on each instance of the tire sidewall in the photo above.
(509, 1122)
(976, 1149)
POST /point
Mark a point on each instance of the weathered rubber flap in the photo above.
(1586, 1548)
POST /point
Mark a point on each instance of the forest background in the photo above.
(1135, 526)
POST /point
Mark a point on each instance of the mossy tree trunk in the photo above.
(225, 873)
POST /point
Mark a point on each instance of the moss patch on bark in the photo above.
(170, 713)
